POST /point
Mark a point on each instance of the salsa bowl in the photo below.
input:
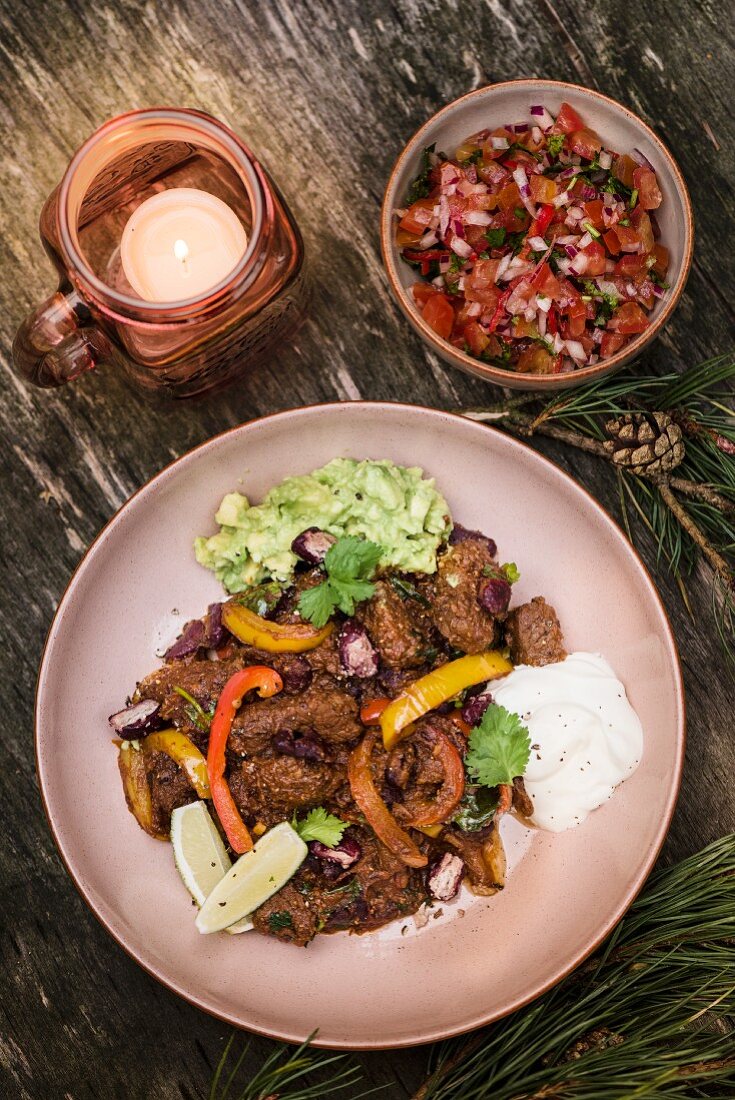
(499, 104)
(475, 959)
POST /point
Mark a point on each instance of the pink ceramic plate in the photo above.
(482, 957)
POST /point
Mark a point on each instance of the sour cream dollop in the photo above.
(585, 736)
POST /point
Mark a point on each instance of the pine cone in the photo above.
(649, 444)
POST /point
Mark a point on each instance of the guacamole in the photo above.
(394, 506)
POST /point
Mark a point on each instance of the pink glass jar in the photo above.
(185, 347)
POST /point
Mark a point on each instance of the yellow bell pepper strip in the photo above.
(268, 683)
(261, 633)
(183, 752)
(135, 784)
(436, 688)
(367, 797)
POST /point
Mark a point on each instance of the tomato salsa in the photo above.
(538, 246)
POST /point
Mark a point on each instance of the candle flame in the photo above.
(181, 250)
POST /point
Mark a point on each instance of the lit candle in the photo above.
(180, 243)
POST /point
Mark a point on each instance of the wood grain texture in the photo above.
(326, 94)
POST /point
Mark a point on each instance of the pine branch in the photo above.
(644, 1017)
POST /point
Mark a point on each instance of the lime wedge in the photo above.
(253, 879)
(200, 856)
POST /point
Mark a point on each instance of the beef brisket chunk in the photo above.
(169, 786)
(270, 789)
(533, 634)
(456, 610)
(397, 627)
(324, 709)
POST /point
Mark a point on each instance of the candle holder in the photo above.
(185, 347)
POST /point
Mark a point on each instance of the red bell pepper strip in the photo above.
(268, 683)
(540, 223)
(370, 712)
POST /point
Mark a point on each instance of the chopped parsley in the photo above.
(515, 240)
(349, 564)
(474, 157)
(499, 748)
(320, 825)
(277, 921)
(421, 186)
(519, 211)
(521, 149)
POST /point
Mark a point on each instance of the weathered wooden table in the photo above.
(326, 93)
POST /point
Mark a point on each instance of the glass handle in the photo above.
(54, 345)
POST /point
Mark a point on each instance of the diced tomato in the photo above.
(422, 292)
(641, 222)
(649, 192)
(439, 315)
(567, 121)
(542, 189)
(557, 229)
(482, 201)
(513, 221)
(475, 237)
(587, 343)
(611, 342)
(480, 286)
(593, 213)
(509, 197)
(523, 329)
(488, 152)
(544, 281)
(645, 294)
(585, 143)
(552, 321)
(623, 169)
(476, 338)
(542, 220)
(661, 256)
(418, 216)
(630, 264)
(628, 318)
(405, 240)
(622, 238)
(535, 360)
(576, 314)
(596, 257)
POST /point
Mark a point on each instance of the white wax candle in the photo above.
(180, 243)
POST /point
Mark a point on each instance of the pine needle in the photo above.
(644, 1018)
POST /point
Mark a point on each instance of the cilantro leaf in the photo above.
(511, 571)
(349, 563)
(421, 186)
(279, 920)
(554, 143)
(495, 237)
(320, 825)
(350, 558)
(317, 604)
(477, 808)
(499, 747)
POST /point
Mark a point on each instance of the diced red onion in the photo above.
(543, 303)
(138, 718)
(592, 360)
(588, 193)
(575, 212)
(558, 344)
(444, 265)
(474, 309)
(631, 289)
(562, 200)
(541, 323)
(578, 265)
(427, 240)
(471, 172)
(570, 238)
(520, 127)
(439, 281)
(570, 250)
(545, 120)
(537, 135)
(609, 267)
(641, 159)
(499, 143)
(567, 173)
(503, 265)
(597, 336)
(461, 248)
(564, 266)
(585, 241)
(478, 217)
(576, 350)
(521, 179)
(605, 159)
(457, 227)
(538, 244)
(606, 286)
